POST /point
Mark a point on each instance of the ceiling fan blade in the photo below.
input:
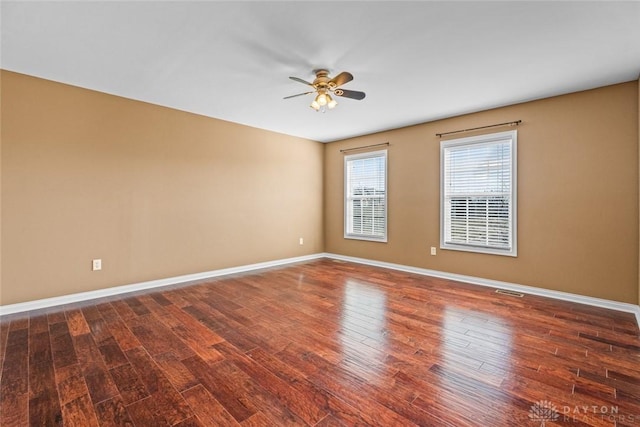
(301, 81)
(300, 94)
(353, 94)
(341, 79)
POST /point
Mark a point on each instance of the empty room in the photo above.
(305, 213)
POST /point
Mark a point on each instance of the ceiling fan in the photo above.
(325, 86)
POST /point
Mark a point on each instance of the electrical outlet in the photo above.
(96, 264)
(301, 241)
(433, 250)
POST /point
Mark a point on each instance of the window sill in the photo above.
(481, 250)
(366, 238)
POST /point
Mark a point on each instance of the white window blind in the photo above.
(366, 196)
(479, 194)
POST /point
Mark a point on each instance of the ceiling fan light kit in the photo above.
(324, 86)
(323, 100)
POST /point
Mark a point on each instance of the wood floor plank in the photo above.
(44, 402)
(305, 405)
(14, 388)
(176, 372)
(62, 348)
(257, 420)
(56, 316)
(123, 310)
(129, 384)
(145, 412)
(4, 334)
(20, 322)
(319, 343)
(112, 412)
(112, 354)
(76, 323)
(70, 382)
(158, 338)
(168, 403)
(223, 390)
(79, 412)
(117, 327)
(136, 306)
(95, 373)
(96, 323)
(208, 410)
(197, 337)
(349, 387)
(190, 422)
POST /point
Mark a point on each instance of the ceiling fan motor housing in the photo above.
(322, 79)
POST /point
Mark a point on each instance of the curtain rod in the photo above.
(514, 123)
(366, 146)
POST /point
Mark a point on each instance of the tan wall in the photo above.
(152, 191)
(577, 200)
(158, 193)
(0, 190)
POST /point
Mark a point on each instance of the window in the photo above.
(366, 196)
(478, 194)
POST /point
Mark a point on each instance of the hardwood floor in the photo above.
(323, 343)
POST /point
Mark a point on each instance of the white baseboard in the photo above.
(84, 296)
(117, 290)
(565, 296)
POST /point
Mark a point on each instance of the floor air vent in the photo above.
(510, 293)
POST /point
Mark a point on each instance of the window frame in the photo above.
(513, 193)
(346, 199)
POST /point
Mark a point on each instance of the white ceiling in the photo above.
(416, 61)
